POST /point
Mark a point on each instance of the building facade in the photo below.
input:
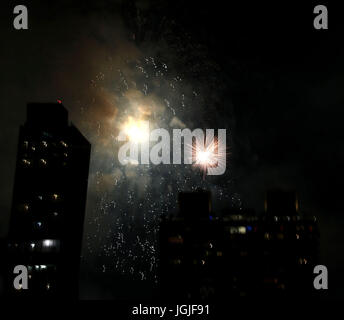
(239, 254)
(49, 199)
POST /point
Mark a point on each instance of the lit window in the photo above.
(219, 253)
(43, 162)
(40, 197)
(48, 286)
(267, 236)
(242, 230)
(48, 243)
(26, 144)
(38, 224)
(26, 162)
(32, 245)
(65, 154)
(297, 236)
(302, 261)
(43, 267)
(44, 144)
(26, 207)
(176, 239)
(55, 214)
(236, 229)
(19, 287)
(64, 144)
(55, 196)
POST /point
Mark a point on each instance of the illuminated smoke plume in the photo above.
(113, 84)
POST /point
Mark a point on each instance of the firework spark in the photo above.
(208, 155)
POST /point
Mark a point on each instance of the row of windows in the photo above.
(40, 246)
(42, 144)
(204, 261)
(42, 163)
(243, 230)
(47, 197)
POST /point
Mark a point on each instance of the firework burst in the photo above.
(208, 155)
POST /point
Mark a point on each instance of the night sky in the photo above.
(262, 72)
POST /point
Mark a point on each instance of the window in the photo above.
(38, 225)
(267, 236)
(176, 261)
(237, 230)
(302, 261)
(50, 245)
(176, 239)
(26, 162)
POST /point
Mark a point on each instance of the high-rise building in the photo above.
(49, 200)
(209, 257)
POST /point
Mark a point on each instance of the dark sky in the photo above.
(261, 71)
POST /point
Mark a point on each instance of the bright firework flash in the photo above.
(208, 155)
(136, 130)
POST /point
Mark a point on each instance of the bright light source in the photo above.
(208, 155)
(242, 230)
(136, 130)
(205, 157)
(48, 243)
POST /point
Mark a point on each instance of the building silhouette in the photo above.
(49, 200)
(240, 254)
